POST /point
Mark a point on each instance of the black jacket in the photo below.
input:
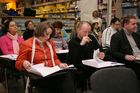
(77, 53)
(120, 45)
(28, 34)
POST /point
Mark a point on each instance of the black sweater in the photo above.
(77, 53)
(28, 34)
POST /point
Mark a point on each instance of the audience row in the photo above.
(40, 45)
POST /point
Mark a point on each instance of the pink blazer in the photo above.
(6, 45)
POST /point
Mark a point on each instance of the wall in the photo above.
(119, 8)
(87, 7)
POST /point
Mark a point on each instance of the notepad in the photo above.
(41, 70)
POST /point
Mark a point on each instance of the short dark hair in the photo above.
(27, 22)
(113, 20)
(58, 24)
(6, 25)
(126, 19)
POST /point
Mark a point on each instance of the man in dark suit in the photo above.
(125, 44)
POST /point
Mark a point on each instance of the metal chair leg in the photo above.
(6, 80)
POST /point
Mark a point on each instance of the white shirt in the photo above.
(106, 36)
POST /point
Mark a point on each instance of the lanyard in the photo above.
(51, 52)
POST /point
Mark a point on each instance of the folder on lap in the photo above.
(41, 70)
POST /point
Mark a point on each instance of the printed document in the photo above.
(43, 71)
(98, 63)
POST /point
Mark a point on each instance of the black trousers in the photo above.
(61, 82)
(134, 66)
(82, 77)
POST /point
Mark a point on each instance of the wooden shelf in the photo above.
(60, 12)
(25, 17)
(52, 3)
(61, 18)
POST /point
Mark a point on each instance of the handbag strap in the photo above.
(32, 58)
(51, 51)
(33, 51)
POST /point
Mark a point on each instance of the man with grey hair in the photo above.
(82, 47)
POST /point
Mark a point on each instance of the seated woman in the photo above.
(10, 41)
(96, 32)
(44, 53)
(59, 26)
(58, 39)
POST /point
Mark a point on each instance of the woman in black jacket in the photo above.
(29, 29)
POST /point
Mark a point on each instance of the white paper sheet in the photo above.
(42, 70)
(137, 57)
(62, 51)
(10, 56)
(98, 63)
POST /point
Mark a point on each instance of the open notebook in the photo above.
(98, 63)
(41, 70)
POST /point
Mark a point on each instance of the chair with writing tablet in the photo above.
(39, 77)
(8, 66)
(114, 80)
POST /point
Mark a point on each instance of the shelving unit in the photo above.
(20, 20)
(65, 11)
(62, 10)
(131, 7)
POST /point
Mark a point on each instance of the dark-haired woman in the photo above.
(9, 43)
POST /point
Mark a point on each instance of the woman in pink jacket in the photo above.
(9, 43)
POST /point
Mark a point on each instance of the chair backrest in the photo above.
(114, 80)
